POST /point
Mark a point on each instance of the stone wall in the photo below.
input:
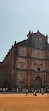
(38, 53)
(22, 51)
(38, 74)
(38, 64)
(21, 78)
(6, 69)
(21, 63)
(47, 79)
(39, 41)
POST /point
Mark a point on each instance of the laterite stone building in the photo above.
(27, 63)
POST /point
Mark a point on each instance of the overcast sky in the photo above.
(17, 17)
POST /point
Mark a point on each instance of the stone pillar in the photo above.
(45, 80)
(29, 64)
(29, 79)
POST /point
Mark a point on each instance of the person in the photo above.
(39, 90)
(35, 93)
(32, 90)
(26, 92)
(42, 91)
(17, 90)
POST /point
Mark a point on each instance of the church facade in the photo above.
(27, 63)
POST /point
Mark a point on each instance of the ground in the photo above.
(21, 102)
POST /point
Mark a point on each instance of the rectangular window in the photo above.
(38, 69)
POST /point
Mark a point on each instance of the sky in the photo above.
(17, 17)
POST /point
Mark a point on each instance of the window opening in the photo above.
(38, 69)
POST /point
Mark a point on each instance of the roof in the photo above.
(30, 41)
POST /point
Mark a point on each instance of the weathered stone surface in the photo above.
(22, 78)
(22, 51)
(26, 64)
(21, 63)
(38, 53)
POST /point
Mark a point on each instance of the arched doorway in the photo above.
(38, 82)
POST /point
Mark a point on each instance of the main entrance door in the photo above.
(38, 82)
